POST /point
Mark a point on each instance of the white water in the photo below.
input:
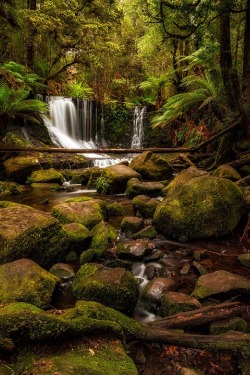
(138, 134)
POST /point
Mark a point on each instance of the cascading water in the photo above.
(138, 134)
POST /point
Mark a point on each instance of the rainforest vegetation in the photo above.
(188, 59)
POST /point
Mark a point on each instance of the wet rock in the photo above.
(147, 232)
(135, 249)
(244, 182)
(226, 171)
(220, 282)
(78, 236)
(29, 283)
(151, 167)
(10, 188)
(94, 175)
(152, 270)
(103, 237)
(131, 224)
(136, 187)
(234, 324)
(174, 302)
(145, 206)
(63, 271)
(29, 233)
(113, 287)
(199, 207)
(117, 177)
(46, 176)
(244, 259)
(115, 209)
(20, 167)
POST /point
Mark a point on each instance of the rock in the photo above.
(29, 283)
(220, 282)
(94, 175)
(46, 176)
(46, 186)
(244, 259)
(226, 171)
(244, 182)
(199, 207)
(113, 287)
(88, 213)
(78, 236)
(135, 249)
(115, 209)
(234, 324)
(87, 256)
(145, 206)
(117, 177)
(173, 303)
(131, 224)
(136, 187)
(63, 271)
(147, 232)
(29, 233)
(103, 237)
(10, 188)
(151, 167)
(20, 167)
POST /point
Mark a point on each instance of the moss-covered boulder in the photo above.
(62, 271)
(244, 259)
(53, 186)
(151, 166)
(88, 212)
(12, 139)
(227, 172)
(131, 224)
(136, 187)
(235, 324)
(94, 175)
(103, 237)
(147, 232)
(78, 236)
(220, 282)
(174, 302)
(25, 281)
(29, 233)
(115, 209)
(10, 188)
(46, 175)
(113, 287)
(117, 177)
(145, 206)
(20, 167)
(199, 207)
(135, 249)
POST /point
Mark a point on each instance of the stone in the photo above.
(103, 237)
(78, 236)
(244, 259)
(135, 249)
(131, 224)
(234, 324)
(145, 206)
(136, 187)
(220, 282)
(151, 166)
(226, 171)
(147, 232)
(115, 209)
(199, 207)
(20, 167)
(29, 283)
(10, 188)
(113, 287)
(62, 271)
(46, 176)
(174, 302)
(244, 182)
(117, 177)
(29, 233)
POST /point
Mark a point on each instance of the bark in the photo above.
(246, 74)
(30, 51)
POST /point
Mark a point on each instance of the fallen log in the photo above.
(202, 316)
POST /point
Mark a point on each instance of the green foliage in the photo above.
(77, 90)
(102, 185)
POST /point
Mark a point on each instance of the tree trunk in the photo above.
(246, 74)
(30, 52)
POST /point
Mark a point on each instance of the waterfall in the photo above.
(138, 134)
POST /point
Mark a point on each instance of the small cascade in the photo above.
(138, 133)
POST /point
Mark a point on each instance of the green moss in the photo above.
(79, 199)
(48, 175)
(12, 139)
(145, 206)
(234, 324)
(103, 237)
(11, 187)
(87, 256)
(115, 209)
(148, 232)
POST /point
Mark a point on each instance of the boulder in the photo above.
(220, 282)
(244, 259)
(147, 232)
(29, 233)
(115, 209)
(151, 166)
(78, 236)
(199, 207)
(135, 249)
(10, 188)
(131, 224)
(88, 212)
(20, 167)
(227, 172)
(223, 326)
(46, 176)
(113, 287)
(103, 237)
(145, 206)
(136, 187)
(29, 283)
(174, 302)
(117, 177)
(63, 271)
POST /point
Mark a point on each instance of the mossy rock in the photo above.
(12, 139)
(244, 259)
(174, 302)
(117, 177)
(46, 186)
(244, 182)
(131, 224)
(62, 271)
(234, 324)
(220, 282)
(89, 357)
(113, 287)
(88, 213)
(199, 207)
(29, 233)
(145, 206)
(79, 199)
(147, 232)
(151, 166)
(135, 249)
(95, 174)
(45, 176)
(103, 237)
(20, 167)
(87, 256)
(136, 187)
(29, 283)
(10, 188)
(115, 209)
(226, 171)
(78, 236)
